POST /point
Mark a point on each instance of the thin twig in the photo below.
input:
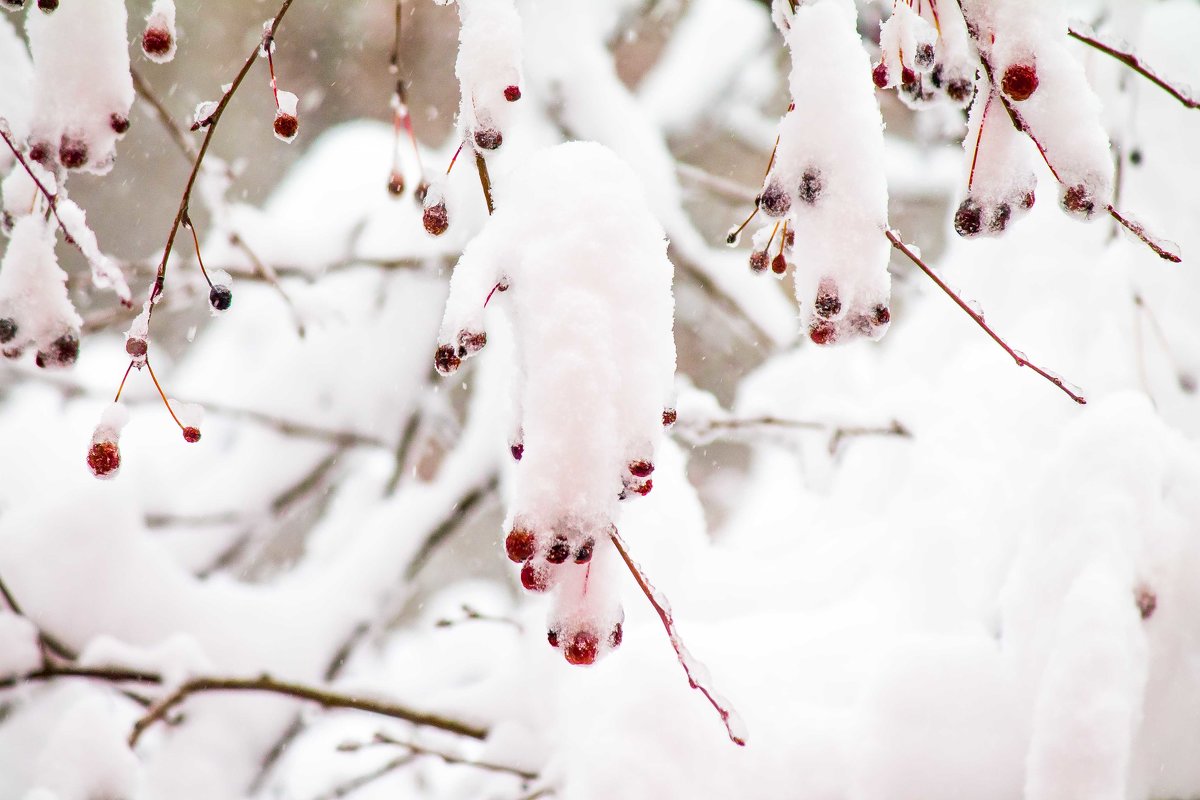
(899, 244)
(175, 131)
(265, 271)
(1130, 60)
(51, 198)
(449, 758)
(485, 181)
(359, 781)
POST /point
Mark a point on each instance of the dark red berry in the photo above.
(643, 488)
(1019, 81)
(104, 458)
(1078, 200)
(759, 261)
(641, 469)
(8, 330)
(471, 341)
(968, 219)
(512, 93)
(827, 304)
(136, 346)
(779, 264)
(559, 551)
(822, 332)
(395, 185)
(520, 545)
(48, 5)
(286, 125)
(435, 219)
(535, 579)
(775, 201)
(670, 416)
(880, 75)
(13, 4)
(72, 153)
(552, 637)
(811, 186)
(62, 353)
(119, 123)
(1146, 601)
(445, 360)
(924, 56)
(517, 451)
(789, 238)
(191, 435)
(908, 78)
(1028, 200)
(881, 315)
(219, 297)
(39, 152)
(584, 553)
(998, 219)
(157, 41)
(615, 637)
(582, 648)
(488, 139)
(960, 90)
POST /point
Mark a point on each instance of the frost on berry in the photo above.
(286, 125)
(34, 307)
(446, 360)
(159, 40)
(759, 261)
(435, 218)
(520, 544)
(779, 264)
(191, 434)
(104, 455)
(968, 219)
(488, 138)
(582, 648)
(535, 576)
(488, 69)
(471, 342)
(775, 200)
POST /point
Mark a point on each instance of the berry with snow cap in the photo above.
(1020, 81)
(435, 219)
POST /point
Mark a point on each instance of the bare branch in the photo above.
(450, 758)
(1129, 59)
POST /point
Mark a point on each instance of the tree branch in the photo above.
(1129, 59)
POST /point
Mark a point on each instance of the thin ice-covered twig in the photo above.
(733, 723)
(703, 431)
(51, 198)
(46, 642)
(449, 758)
(1162, 249)
(1131, 60)
(265, 271)
(899, 244)
(359, 781)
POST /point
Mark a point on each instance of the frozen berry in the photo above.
(960, 90)
(1019, 81)
(520, 544)
(157, 41)
(908, 78)
(822, 332)
(881, 315)
(968, 219)
(435, 219)
(62, 353)
(136, 346)
(512, 93)
(8, 330)
(1078, 200)
(422, 191)
(445, 360)
(39, 152)
(642, 488)
(759, 261)
(615, 637)
(471, 341)
(191, 435)
(559, 551)
(535, 579)
(395, 184)
(640, 469)
(584, 554)
(775, 201)
(1146, 601)
(48, 5)
(670, 416)
(12, 5)
(779, 264)
(789, 238)
(220, 298)
(998, 219)
(1028, 200)
(552, 637)
(119, 123)
(517, 451)
(72, 152)
(582, 648)
(827, 304)
(488, 139)
(811, 186)
(286, 125)
(880, 75)
(924, 56)
(104, 459)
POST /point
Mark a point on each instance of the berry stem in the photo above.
(124, 378)
(187, 223)
(979, 138)
(401, 118)
(51, 198)
(268, 45)
(1137, 65)
(163, 395)
(455, 158)
(664, 614)
(899, 244)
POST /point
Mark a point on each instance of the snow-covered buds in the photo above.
(159, 39)
(34, 307)
(104, 455)
(488, 68)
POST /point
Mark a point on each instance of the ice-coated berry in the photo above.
(8, 330)
(13, 5)
(445, 360)
(1078, 200)
(811, 186)
(1028, 200)
(520, 545)
(908, 78)
(822, 332)
(880, 75)
(104, 459)
(62, 353)
(881, 316)
(119, 123)
(775, 201)
(669, 417)
(48, 5)
(584, 554)
(827, 304)
(72, 152)
(643, 488)
(924, 56)
(552, 637)
(512, 93)
(559, 551)
(488, 139)
(435, 219)
(157, 41)
(471, 341)
(581, 650)
(616, 636)
(1019, 81)
(779, 264)
(968, 219)
(998, 219)
(39, 152)
(286, 125)
(191, 435)
(759, 261)
(641, 469)
(517, 451)
(395, 184)
(220, 298)
(136, 346)
(535, 578)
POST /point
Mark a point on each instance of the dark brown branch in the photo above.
(1130, 60)
(175, 132)
(46, 642)
(898, 243)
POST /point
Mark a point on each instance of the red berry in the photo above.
(882, 315)
(880, 75)
(1028, 200)
(104, 459)
(8, 329)
(924, 56)
(759, 261)
(471, 342)
(520, 545)
(422, 191)
(220, 297)
(445, 360)
(775, 201)
(640, 469)
(1078, 200)
(191, 435)
(998, 219)
(811, 186)
(39, 152)
(119, 123)
(616, 636)
(72, 153)
(559, 551)
(48, 5)
(827, 304)
(670, 416)
(517, 451)
(1019, 81)
(1146, 600)
(907, 77)
(286, 125)
(822, 332)
(968, 219)
(960, 90)
(535, 579)
(157, 41)
(395, 185)
(435, 219)
(582, 648)
(512, 93)
(136, 346)
(488, 139)
(552, 637)
(584, 553)
(779, 264)
(63, 352)
(643, 488)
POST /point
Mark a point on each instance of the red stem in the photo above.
(163, 395)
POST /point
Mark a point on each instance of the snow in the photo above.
(489, 61)
(19, 653)
(16, 91)
(160, 26)
(33, 291)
